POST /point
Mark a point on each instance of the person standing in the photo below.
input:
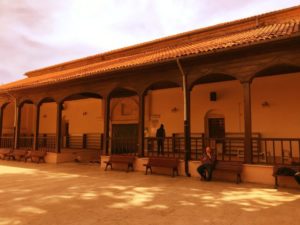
(208, 162)
(160, 136)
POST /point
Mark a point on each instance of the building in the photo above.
(233, 86)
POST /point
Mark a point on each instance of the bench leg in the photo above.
(276, 182)
(238, 178)
(129, 166)
(148, 167)
(107, 164)
(175, 170)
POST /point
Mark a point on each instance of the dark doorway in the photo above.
(124, 138)
(216, 128)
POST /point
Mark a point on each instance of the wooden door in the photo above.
(124, 138)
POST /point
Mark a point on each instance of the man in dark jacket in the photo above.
(208, 162)
(160, 136)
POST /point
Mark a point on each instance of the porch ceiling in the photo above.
(203, 44)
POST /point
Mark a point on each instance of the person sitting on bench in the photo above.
(208, 162)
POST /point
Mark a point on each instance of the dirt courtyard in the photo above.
(85, 194)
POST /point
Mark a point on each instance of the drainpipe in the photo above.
(187, 132)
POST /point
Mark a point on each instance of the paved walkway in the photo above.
(85, 194)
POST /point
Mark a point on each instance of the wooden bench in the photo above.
(36, 156)
(295, 168)
(171, 163)
(5, 152)
(232, 167)
(18, 154)
(120, 159)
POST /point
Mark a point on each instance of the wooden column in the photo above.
(187, 118)
(17, 125)
(106, 113)
(141, 125)
(58, 127)
(1, 124)
(37, 126)
(247, 122)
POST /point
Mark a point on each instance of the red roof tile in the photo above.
(100, 64)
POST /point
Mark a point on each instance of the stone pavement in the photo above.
(85, 194)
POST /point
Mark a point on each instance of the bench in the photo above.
(171, 163)
(232, 167)
(295, 168)
(36, 156)
(120, 159)
(18, 154)
(4, 153)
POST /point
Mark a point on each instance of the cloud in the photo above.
(37, 33)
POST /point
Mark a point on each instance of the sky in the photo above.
(39, 33)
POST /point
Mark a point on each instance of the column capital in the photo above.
(246, 81)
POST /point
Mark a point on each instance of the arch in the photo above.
(277, 69)
(3, 106)
(26, 101)
(81, 95)
(163, 84)
(45, 100)
(120, 92)
(120, 102)
(212, 114)
(212, 78)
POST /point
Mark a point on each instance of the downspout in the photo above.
(186, 122)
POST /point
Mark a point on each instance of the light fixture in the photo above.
(265, 104)
(174, 109)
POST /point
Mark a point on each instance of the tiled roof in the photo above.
(264, 33)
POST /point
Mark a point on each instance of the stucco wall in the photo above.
(8, 119)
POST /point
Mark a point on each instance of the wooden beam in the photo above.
(58, 127)
(247, 122)
(17, 126)
(106, 111)
(37, 126)
(1, 124)
(141, 124)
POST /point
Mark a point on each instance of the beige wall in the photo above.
(48, 118)
(8, 119)
(124, 110)
(229, 104)
(282, 117)
(27, 119)
(84, 116)
(164, 106)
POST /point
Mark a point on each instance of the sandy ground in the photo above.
(85, 194)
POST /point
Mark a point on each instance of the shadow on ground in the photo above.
(85, 194)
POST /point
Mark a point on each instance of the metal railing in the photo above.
(25, 141)
(7, 141)
(84, 141)
(279, 151)
(46, 142)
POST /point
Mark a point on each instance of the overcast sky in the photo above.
(39, 33)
